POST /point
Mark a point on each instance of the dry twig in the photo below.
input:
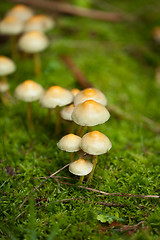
(113, 194)
(73, 10)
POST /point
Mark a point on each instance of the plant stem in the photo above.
(72, 156)
(13, 43)
(48, 116)
(94, 161)
(29, 115)
(72, 127)
(81, 179)
(37, 64)
(81, 130)
(4, 79)
(58, 120)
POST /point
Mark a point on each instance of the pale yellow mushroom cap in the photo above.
(29, 91)
(90, 94)
(22, 12)
(69, 143)
(90, 113)
(75, 91)
(11, 26)
(3, 86)
(33, 42)
(56, 96)
(7, 66)
(81, 167)
(67, 112)
(95, 143)
(39, 22)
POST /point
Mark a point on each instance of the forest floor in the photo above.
(120, 59)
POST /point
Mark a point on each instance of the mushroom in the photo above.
(66, 114)
(20, 11)
(56, 97)
(11, 26)
(70, 143)
(95, 143)
(34, 42)
(75, 91)
(81, 168)
(29, 91)
(7, 66)
(89, 113)
(90, 94)
(40, 22)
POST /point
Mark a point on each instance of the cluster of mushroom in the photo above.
(54, 97)
(21, 20)
(87, 110)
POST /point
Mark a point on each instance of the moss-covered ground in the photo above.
(120, 59)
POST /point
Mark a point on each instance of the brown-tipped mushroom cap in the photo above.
(95, 143)
(11, 26)
(56, 96)
(3, 86)
(21, 12)
(29, 91)
(81, 167)
(67, 112)
(7, 66)
(69, 143)
(90, 113)
(39, 22)
(75, 91)
(33, 42)
(90, 94)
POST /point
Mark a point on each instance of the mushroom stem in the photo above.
(58, 120)
(29, 115)
(4, 99)
(81, 130)
(37, 64)
(48, 116)
(81, 179)
(72, 156)
(13, 43)
(94, 161)
(72, 127)
(4, 79)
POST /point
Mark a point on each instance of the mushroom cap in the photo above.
(95, 143)
(81, 167)
(75, 91)
(11, 26)
(33, 42)
(67, 112)
(3, 86)
(56, 96)
(7, 66)
(40, 22)
(29, 91)
(90, 94)
(90, 113)
(21, 12)
(69, 143)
